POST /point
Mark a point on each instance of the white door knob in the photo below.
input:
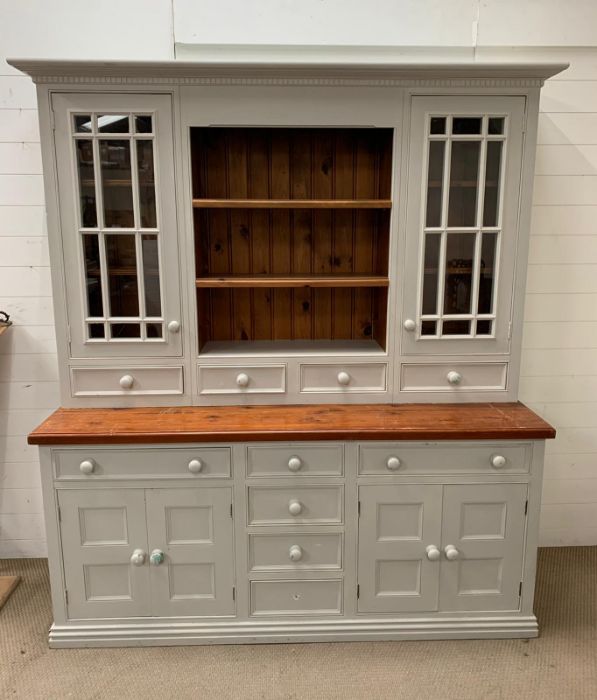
(242, 379)
(195, 466)
(433, 553)
(174, 326)
(454, 377)
(409, 325)
(138, 557)
(497, 461)
(451, 552)
(295, 507)
(127, 381)
(87, 466)
(295, 553)
(295, 463)
(393, 463)
(343, 378)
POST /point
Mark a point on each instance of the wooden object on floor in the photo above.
(7, 586)
(271, 281)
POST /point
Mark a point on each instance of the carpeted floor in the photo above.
(561, 664)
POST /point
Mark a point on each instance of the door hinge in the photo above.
(510, 330)
(68, 336)
(358, 591)
(231, 510)
(65, 596)
(520, 589)
(233, 592)
(52, 120)
(59, 515)
(359, 509)
(526, 507)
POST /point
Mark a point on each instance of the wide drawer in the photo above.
(274, 552)
(256, 379)
(299, 459)
(286, 505)
(454, 376)
(343, 378)
(321, 597)
(198, 463)
(397, 458)
(126, 381)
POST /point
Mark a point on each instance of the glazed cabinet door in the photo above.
(399, 538)
(482, 547)
(191, 551)
(464, 170)
(115, 168)
(104, 547)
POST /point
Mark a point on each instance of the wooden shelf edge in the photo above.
(290, 282)
(292, 203)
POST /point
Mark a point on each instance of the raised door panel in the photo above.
(485, 524)
(397, 523)
(193, 529)
(100, 531)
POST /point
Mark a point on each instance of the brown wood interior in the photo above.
(309, 208)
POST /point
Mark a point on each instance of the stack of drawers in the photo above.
(295, 519)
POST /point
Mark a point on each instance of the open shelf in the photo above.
(273, 281)
(292, 204)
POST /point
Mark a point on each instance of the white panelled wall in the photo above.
(560, 342)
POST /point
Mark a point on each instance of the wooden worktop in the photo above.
(116, 426)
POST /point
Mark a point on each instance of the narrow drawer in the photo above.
(396, 458)
(454, 376)
(343, 378)
(275, 552)
(126, 381)
(286, 505)
(257, 379)
(90, 464)
(299, 460)
(323, 597)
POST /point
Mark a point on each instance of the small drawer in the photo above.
(126, 381)
(322, 597)
(438, 458)
(257, 379)
(343, 378)
(289, 506)
(275, 552)
(299, 460)
(91, 464)
(454, 377)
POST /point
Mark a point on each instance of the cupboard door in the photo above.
(115, 166)
(193, 530)
(484, 524)
(104, 547)
(396, 526)
(462, 223)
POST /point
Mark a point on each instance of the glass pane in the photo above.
(460, 251)
(84, 150)
(146, 184)
(93, 280)
(143, 124)
(456, 328)
(435, 174)
(431, 273)
(464, 175)
(492, 183)
(495, 125)
(484, 327)
(113, 124)
(154, 330)
(437, 125)
(125, 330)
(116, 184)
(83, 124)
(122, 275)
(428, 328)
(466, 125)
(487, 272)
(96, 330)
(151, 275)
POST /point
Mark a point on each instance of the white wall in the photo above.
(560, 341)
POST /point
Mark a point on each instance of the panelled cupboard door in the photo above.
(115, 166)
(104, 545)
(396, 526)
(464, 170)
(484, 526)
(192, 529)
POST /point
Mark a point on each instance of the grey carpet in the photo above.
(561, 664)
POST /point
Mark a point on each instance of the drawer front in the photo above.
(257, 379)
(196, 463)
(299, 460)
(454, 377)
(126, 381)
(343, 378)
(295, 551)
(394, 458)
(323, 597)
(288, 506)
